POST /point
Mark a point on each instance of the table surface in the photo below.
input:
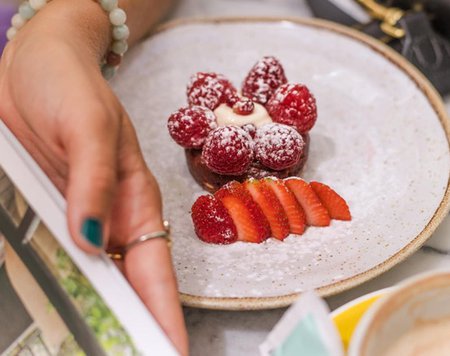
(223, 333)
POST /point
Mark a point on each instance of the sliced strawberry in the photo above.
(316, 213)
(336, 205)
(294, 211)
(251, 224)
(270, 206)
(212, 222)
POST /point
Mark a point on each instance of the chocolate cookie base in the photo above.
(211, 181)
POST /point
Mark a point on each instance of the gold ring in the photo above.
(118, 253)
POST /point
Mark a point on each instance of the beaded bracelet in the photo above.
(117, 17)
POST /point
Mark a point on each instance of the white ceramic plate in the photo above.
(381, 140)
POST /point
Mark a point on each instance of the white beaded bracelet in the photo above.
(117, 17)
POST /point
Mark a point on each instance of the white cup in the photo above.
(413, 319)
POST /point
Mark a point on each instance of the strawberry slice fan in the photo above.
(258, 209)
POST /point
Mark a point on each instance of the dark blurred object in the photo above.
(418, 29)
(441, 11)
(438, 10)
(6, 12)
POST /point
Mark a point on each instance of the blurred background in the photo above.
(7, 9)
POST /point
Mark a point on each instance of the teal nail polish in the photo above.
(92, 231)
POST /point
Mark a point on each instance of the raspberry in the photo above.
(212, 222)
(189, 127)
(232, 99)
(278, 146)
(230, 92)
(228, 150)
(244, 106)
(263, 79)
(293, 104)
(210, 90)
(250, 129)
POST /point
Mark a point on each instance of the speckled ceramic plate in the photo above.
(381, 140)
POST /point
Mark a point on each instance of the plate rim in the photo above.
(435, 100)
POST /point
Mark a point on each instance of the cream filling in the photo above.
(226, 116)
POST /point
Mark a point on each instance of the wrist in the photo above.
(82, 24)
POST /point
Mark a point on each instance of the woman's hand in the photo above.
(54, 99)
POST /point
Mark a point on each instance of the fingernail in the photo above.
(92, 231)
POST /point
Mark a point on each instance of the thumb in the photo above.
(92, 157)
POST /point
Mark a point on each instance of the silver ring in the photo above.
(118, 253)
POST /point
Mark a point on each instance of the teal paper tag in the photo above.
(304, 330)
(305, 337)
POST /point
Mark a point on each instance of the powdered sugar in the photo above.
(205, 91)
(293, 104)
(212, 222)
(189, 127)
(228, 150)
(264, 78)
(244, 106)
(278, 146)
(209, 89)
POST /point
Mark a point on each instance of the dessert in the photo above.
(230, 136)
(255, 210)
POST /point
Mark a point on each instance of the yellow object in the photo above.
(389, 17)
(347, 320)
